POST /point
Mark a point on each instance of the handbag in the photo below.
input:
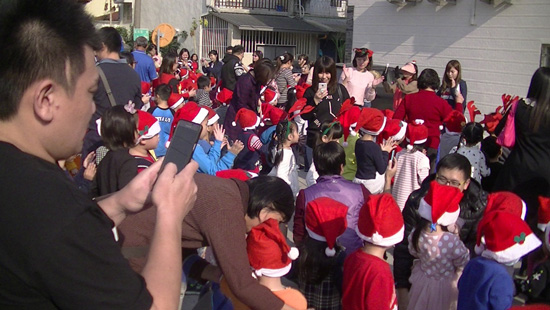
(507, 136)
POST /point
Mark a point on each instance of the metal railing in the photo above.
(275, 5)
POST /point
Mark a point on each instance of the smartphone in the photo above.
(392, 154)
(323, 87)
(182, 144)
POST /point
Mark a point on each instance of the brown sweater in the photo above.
(217, 220)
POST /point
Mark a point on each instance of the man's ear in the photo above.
(44, 101)
(466, 184)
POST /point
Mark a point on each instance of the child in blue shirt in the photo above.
(485, 282)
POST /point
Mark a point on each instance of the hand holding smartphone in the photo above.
(323, 87)
(182, 144)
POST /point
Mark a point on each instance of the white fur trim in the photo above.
(409, 147)
(398, 136)
(419, 121)
(315, 236)
(294, 253)
(441, 127)
(479, 248)
(233, 123)
(330, 252)
(203, 113)
(514, 252)
(523, 209)
(98, 124)
(375, 133)
(377, 239)
(352, 126)
(177, 104)
(273, 273)
(446, 219)
(153, 131)
(213, 120)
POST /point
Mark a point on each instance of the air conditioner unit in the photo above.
(403, 2)
(442, 2)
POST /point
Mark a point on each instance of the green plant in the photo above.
(339, 40)
(125, 34)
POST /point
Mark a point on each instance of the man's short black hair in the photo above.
(455, 161)
(128, 56)
(238, 49)
(272, 193)
(229, 49)
(110, 38)
(163, 91)
(329, 158)
(45, 40)
(428, 79)
(490, 147)
(203, 81)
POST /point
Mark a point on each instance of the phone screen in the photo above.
(182, 144)
(392, 155)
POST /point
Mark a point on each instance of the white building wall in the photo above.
(178, 13)
(499, 47)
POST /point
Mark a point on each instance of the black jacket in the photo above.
(472, 207)
(232, 69)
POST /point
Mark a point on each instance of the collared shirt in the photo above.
(145, 66)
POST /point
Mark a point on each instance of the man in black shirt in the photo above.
(57, 250)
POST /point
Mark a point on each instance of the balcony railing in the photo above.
(272, 5)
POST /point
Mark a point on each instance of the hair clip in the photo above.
(130, 107)
(282, 57)
(325, 132)
(363, 50)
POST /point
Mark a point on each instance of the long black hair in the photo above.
(472, 134)
(313, 264)
(283, 129)
(539, 91)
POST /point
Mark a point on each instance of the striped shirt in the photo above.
(412, 169)
(284, 81)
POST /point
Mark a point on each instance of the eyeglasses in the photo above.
(444, 181)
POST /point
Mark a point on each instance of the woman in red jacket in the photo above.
(428, 106)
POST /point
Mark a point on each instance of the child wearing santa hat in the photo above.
(452, 125)
(485, 282)
(127, 155)
(321, 259)
(372, 160)
(209, 160)
(368, 282)
(250, 158)
(348, 116)
(413, 166)
(441, 254)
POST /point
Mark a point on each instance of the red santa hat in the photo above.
(270, 96)
(388, 113)
(455, 121)
(508, 202)
(247, 119)
(175, 100)
(190, 112)
(189, 84)
(212, 81)
(184, 73)
(503, 202)
(326, 221)
(268, 253)
(380, 221)
(507, 237)
(300, 90)
(274, 114)
(300, 107)
(395, 129)
(417, 133)
(148, 125)
(441, 204)
(238, 174)
(348, 117)
(543, 213)
(371, 121)
(224, 96)
(145, 87)
(213, 117)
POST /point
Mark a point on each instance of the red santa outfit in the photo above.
(368, 282)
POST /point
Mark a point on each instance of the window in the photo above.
(545, 55)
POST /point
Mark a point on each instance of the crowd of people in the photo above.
(459, 205)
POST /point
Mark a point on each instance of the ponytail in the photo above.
(275, 154)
